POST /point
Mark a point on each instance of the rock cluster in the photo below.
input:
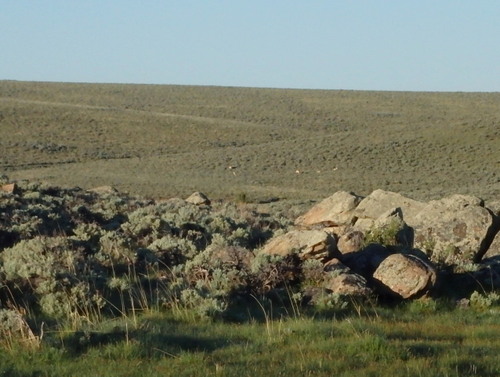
(393, 245)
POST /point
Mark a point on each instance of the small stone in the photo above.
(198, 198)
(351, 242)
(102, 190)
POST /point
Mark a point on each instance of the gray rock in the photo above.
(494, 247)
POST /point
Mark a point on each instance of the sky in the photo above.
(404, 45)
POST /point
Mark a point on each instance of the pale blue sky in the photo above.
(430, 45)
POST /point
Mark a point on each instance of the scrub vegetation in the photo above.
(136, 282)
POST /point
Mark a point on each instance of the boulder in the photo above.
(198, 198)
(336, 266)
(334, 211)
(314, 295)
(456, 229)
(349, 284)
(389, 229)
(308, 244)
(405, 276)
(379, 202)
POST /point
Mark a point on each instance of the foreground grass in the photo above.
(401, 342)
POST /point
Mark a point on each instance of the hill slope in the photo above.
(162, 140)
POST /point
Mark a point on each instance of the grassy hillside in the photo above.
(164, 141)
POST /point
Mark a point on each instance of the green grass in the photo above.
(164, 141)
(389, 342)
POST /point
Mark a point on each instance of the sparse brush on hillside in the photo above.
(163, 141)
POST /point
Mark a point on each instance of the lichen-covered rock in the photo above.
(380, 201)
(315, 244)
(405, 276)
(456, 229)
(335, 210)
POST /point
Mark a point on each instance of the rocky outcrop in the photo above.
(405, 276)
(308, 244)
(340, 279)
(385, 242)
(453, 230)
(494, 249)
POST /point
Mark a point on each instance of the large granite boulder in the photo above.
(456, 229)
(405, 276)
(380, 202)
(334, 211)
(307, 244)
